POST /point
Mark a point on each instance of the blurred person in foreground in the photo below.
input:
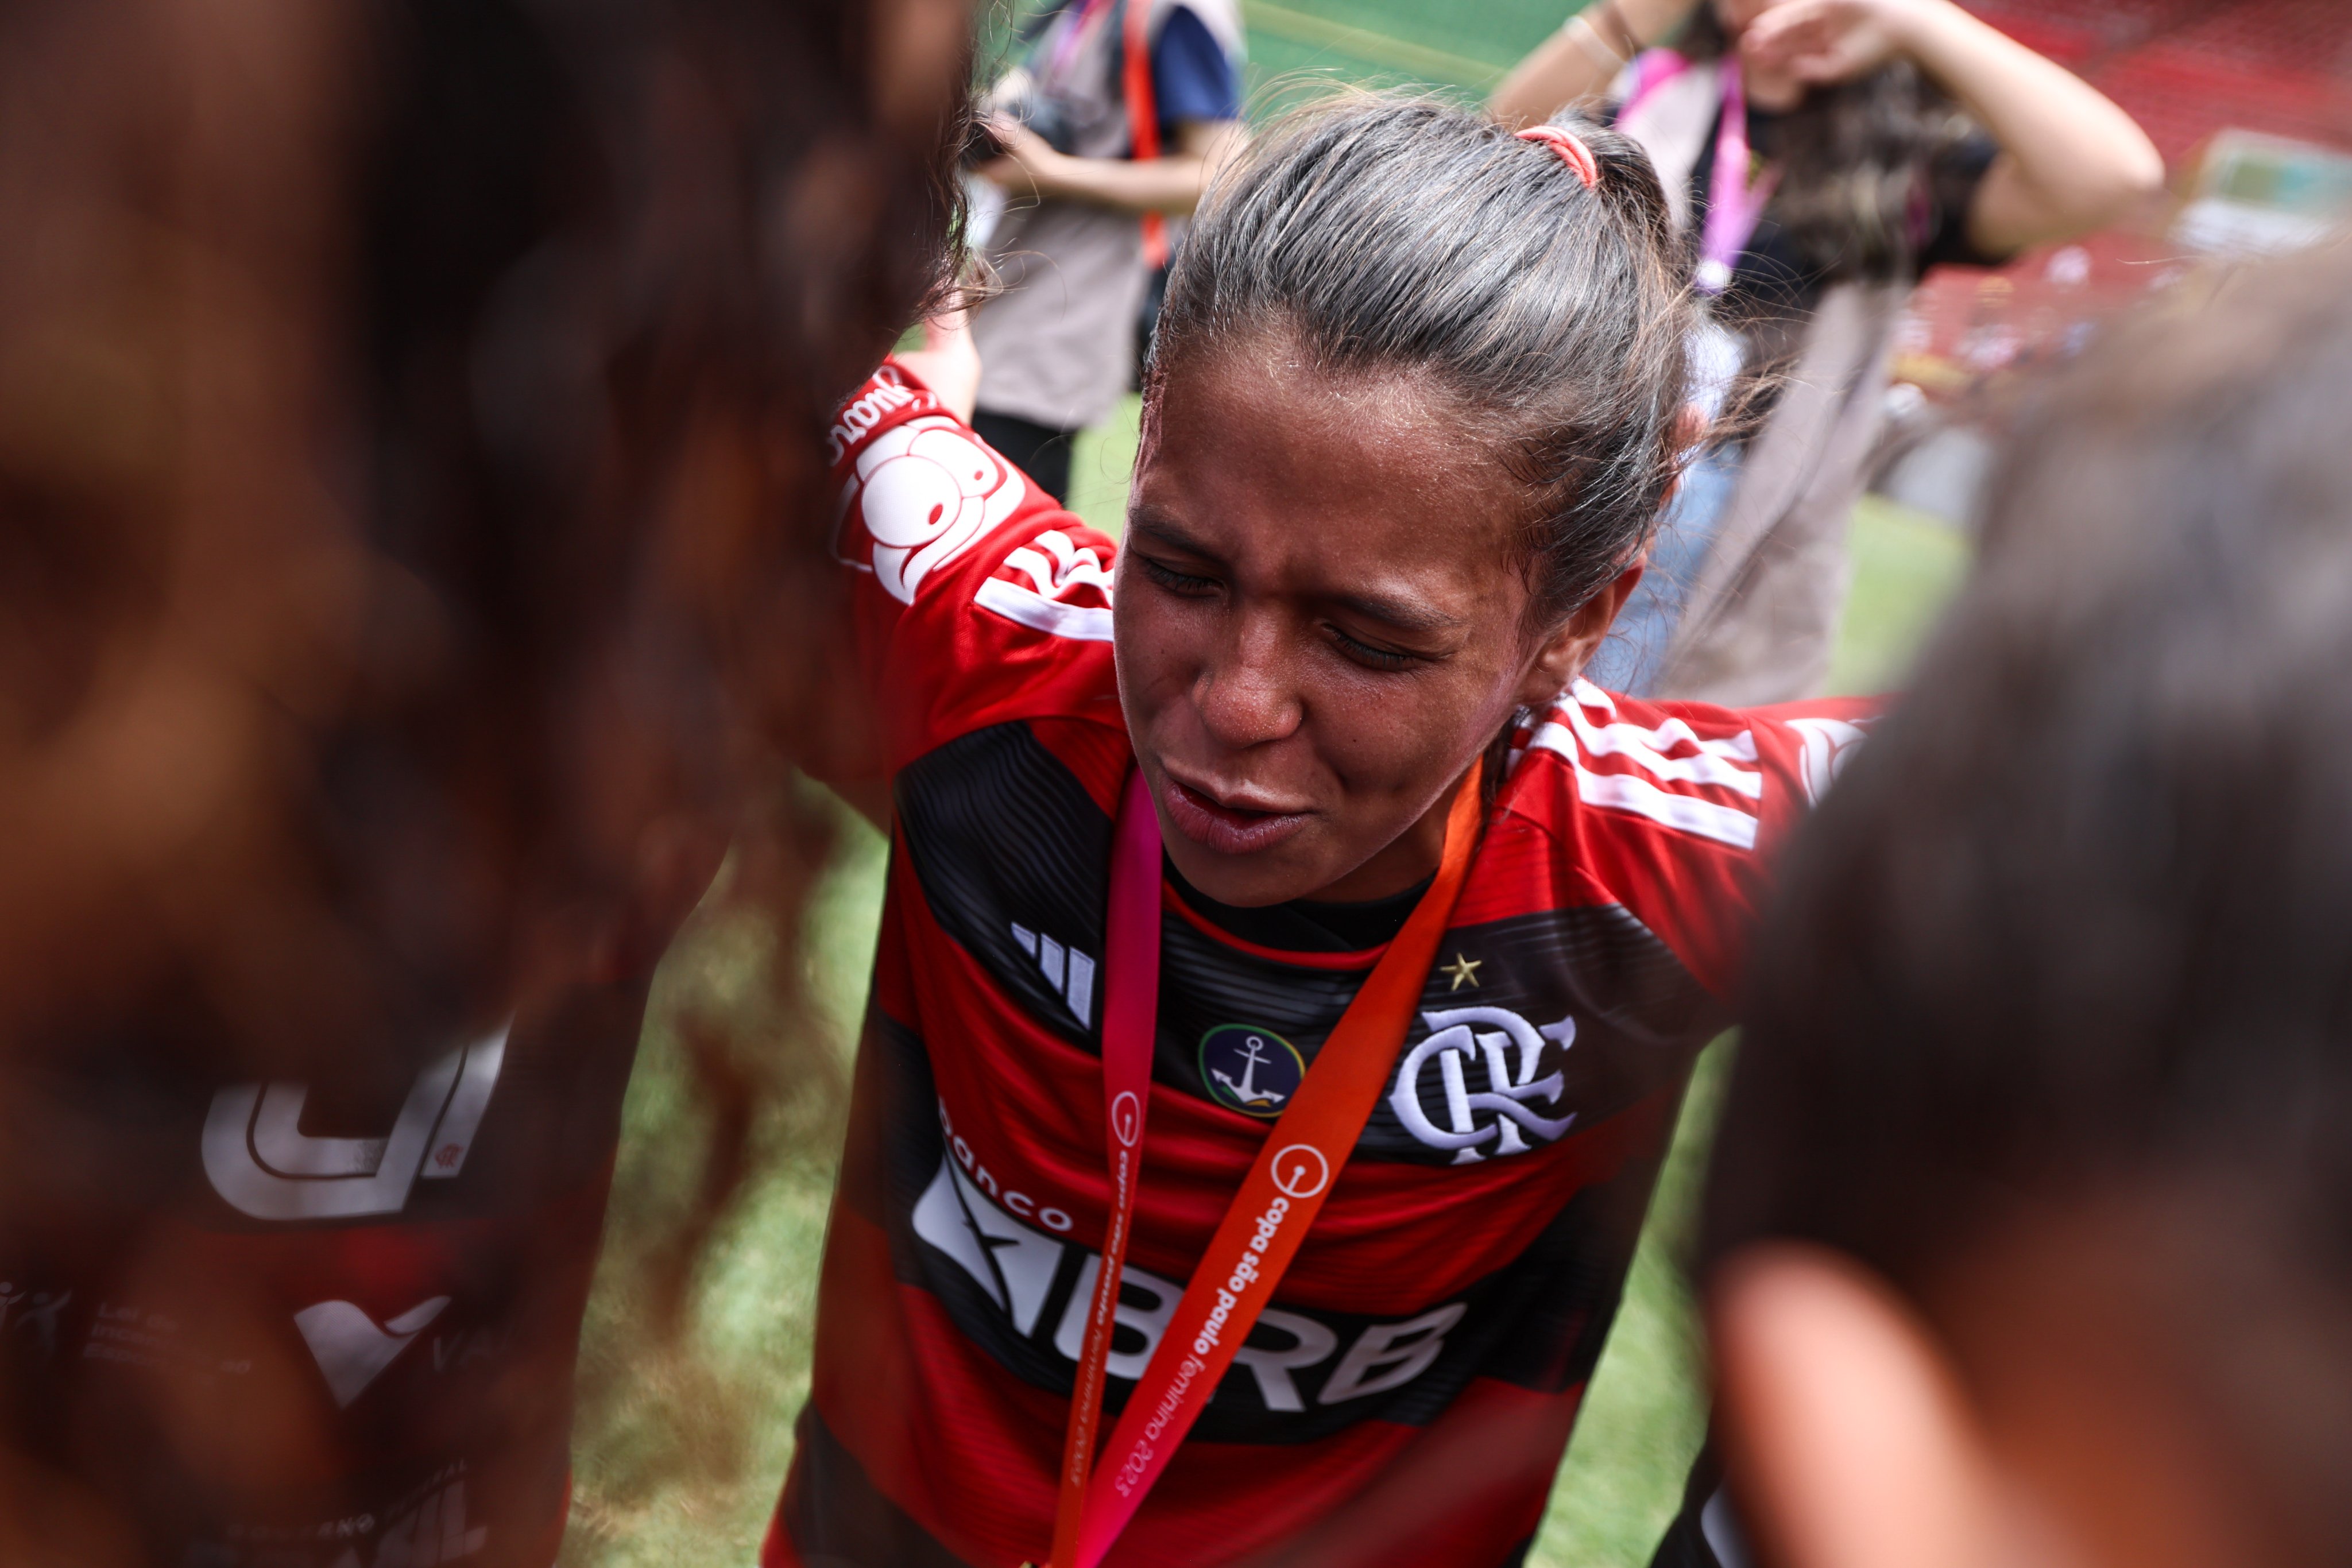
(1110, 128)
(412, 424)
(2028, 1234)
(1819, 157)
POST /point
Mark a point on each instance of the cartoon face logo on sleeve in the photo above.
(918, 497)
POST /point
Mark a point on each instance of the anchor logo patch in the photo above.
(1250, 1070)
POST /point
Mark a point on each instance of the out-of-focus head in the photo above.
(409, 411)
(2031, 1224)
(1408, 423)
(1735, 16)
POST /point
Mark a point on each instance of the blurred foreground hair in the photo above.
(412, 483)
(2074, 935)
(411, 465)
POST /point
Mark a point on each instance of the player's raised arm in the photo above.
(972, 595)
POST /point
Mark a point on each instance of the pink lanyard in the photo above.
(1294, 1173)
(1064, 46)
(1131, 1021)
(1735, 205)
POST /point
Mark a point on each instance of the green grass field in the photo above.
(684, 1438)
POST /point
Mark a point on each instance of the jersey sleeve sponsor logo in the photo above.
(1669, 774)
(1828, 746)
(1471, 1086)
(263, 1164)
(1250, 1070)
(919, 494)
(1046, 585)
(352, 1349)
(880, 397)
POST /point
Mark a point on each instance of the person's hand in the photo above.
(1817, 43)
(1029, 163)
(948, 362)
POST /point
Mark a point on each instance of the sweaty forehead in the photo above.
(1257, 440)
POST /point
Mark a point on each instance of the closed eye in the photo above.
(1371, 657)
(1177, 582)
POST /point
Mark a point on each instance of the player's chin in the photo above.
(1250, 876)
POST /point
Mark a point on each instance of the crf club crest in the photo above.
(1250, 1070)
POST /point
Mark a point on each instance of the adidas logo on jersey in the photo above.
(1065, 970)
(352, 1349)
(262, 1162)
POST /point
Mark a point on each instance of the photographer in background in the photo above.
(1111, 126)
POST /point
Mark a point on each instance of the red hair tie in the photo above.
(1572, 150)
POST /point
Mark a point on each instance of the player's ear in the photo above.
(1847, 1439)
(1569, 646)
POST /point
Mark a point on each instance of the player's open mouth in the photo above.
(1231, 829)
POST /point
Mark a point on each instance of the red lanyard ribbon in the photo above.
(1135, 89)
(1278, 1201)
(1142, 130)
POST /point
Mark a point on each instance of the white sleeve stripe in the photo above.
(1080, 623)
(1630, 792)
(1072, 564)
(1740, 748)
(1040, 570)
(1731, 825)
(1070, 567)
(1634, 743)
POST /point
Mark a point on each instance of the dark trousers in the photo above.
(1039, 451)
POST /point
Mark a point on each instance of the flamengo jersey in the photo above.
(1407, 1397)
(317, 1325)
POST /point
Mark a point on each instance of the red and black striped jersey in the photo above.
(1407, 1398)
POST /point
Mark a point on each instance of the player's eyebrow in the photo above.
(1163, 529)
(1400, 612)
(1394, 609)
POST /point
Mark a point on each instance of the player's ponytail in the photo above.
(1389, 234)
